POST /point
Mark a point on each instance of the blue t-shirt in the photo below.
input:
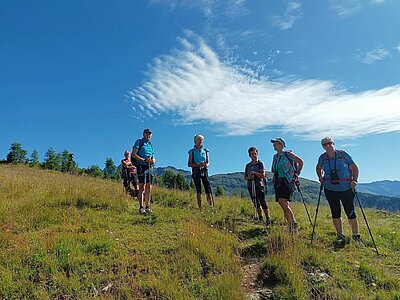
(199, 155)
(145, 151)
(257, 167)
(341, 163)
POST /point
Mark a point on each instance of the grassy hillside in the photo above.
(71, 237)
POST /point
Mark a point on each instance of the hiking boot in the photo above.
(142, 211)
(357, 240)
(148, 210)
(340, 241)
(268, 221)
(260, 218)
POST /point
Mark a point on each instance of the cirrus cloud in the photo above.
(194, 84)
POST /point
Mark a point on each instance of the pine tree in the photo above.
(17, 154)
(169, 179)
(110, 168)
(34, 159)
(181, 183)
(52, 160)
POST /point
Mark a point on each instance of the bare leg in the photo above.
(140, 194)
(147, 194)
(338, 225)
(354, 226)
(287, 211)
(210, 200)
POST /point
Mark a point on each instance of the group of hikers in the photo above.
(336, 170)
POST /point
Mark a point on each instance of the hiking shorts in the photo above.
(141, 169)
(201, 175)
(260, 196)
(281, 190)
(347, 199)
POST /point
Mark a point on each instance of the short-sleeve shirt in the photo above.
(145, 151)
(341, 163)
(199, 155)
(282, 165)
(257, 167)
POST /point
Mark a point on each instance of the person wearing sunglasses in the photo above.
(338, 174)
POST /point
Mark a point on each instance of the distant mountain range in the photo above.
(380, 194)
(385, 187)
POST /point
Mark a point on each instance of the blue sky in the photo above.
(88, 76)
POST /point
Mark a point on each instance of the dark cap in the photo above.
(147, 130)
(279, 140)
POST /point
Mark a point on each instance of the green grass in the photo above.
(73, 237)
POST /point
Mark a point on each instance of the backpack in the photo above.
(141, 143)
(291, 160)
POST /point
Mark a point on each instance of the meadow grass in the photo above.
(76, 237)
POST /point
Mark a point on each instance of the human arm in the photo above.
(354, 171)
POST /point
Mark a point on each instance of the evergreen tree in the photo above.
(64, 158)
(16, 154)
(52, 160)
(220, 191)
(110, 168)
(169, 179)
(181, 182)
(95, 171)
(34, 159)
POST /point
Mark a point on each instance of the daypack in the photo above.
(141, 143)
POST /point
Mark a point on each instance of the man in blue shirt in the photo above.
(143, 158)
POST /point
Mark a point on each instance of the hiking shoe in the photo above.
(148, 210)
(357, 239)
(268, 221)
(260, 218)
(340, 240)
(142, 211)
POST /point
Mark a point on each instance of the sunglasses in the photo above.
(325, 144)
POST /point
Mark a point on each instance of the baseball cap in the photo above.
(279, 140)
(147, 130)
(326, 140)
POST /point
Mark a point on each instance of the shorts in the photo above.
(281, 190)
(201, 175)
(260, 196)
(141, 169)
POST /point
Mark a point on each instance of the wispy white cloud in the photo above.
(208, 7)
(192, 84)
(374, 55)
(346, 8)
(292, 13)
(398, 48)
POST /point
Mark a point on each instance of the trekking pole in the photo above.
(366, 222)
(254, 197)
(304, 202)
(316, 213)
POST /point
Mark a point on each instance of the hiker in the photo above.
(254, 173)
(199, 161)
(286, 167)
(129, 175)
(143, 158)
(338, 174)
